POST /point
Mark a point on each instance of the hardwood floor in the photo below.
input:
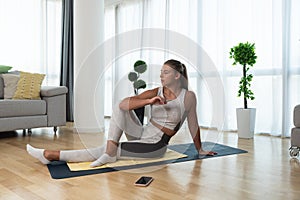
(265, 172)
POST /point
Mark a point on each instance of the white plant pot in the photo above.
(245, 122)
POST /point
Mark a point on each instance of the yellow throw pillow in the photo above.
(29, 86)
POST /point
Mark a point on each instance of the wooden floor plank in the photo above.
(265, 172)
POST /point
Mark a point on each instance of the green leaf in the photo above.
(5, 68)
(140, 66)
(132, 76)
(139, 84)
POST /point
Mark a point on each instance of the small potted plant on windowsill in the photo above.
(244, 54)
(139, 67)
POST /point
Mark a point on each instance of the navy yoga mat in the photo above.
(59, 169)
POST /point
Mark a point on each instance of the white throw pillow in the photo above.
(10, 85)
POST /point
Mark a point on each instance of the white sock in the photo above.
(37, 153)
(104, 159)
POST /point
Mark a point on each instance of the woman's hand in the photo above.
(157, 100)
(207, 153)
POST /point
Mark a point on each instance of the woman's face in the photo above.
(168, 75)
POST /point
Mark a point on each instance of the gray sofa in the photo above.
(50, 111)
(295, 135)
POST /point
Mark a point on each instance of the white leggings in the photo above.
(82, 155)
(151, 143)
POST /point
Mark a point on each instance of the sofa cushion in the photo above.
(29, 86)
(10, 84)
(17, 108)
(2, 82)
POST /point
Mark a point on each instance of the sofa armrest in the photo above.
(55, 97)
(297, 116)
(49, 91)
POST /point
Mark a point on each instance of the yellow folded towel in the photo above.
(169, 155)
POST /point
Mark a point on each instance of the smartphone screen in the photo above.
(144, 181)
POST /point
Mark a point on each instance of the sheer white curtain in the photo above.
(273, 25)
(30, 36)
(132, 15)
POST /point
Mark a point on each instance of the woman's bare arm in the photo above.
(190, 106)
(148, 97)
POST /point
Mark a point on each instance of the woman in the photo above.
(170, 105)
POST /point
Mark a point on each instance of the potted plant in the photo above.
(244, 54)
(139, 67)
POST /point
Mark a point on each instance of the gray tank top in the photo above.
(169, 114)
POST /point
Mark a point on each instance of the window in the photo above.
(217, 26)
(30, 36)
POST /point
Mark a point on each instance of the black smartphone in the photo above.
(143, 181)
